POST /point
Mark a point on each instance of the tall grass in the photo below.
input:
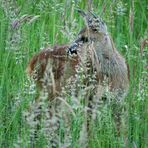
(58, 22)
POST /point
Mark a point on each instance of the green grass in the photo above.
(55, 18)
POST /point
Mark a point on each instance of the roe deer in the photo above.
(110, 63)
(93, 44)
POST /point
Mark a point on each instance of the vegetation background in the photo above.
(28, 25)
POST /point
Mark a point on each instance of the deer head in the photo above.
(94, 22)
(95, 31)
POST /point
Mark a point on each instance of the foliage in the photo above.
(27, 26)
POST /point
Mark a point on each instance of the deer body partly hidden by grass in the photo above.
(52, 67)
(95, 44)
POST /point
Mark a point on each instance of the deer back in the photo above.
(50, 68)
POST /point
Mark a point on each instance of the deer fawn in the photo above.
(92, 44)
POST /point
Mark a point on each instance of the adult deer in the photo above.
(96, 46)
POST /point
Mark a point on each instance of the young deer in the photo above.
(52, 67)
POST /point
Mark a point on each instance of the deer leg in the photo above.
(117, 112)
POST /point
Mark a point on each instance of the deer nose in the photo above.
(72, 49)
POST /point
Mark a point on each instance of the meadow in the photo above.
(26, 26)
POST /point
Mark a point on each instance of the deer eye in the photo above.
(94, 29)
(84, 39)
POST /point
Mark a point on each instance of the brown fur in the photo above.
(99, 51)
(62, 67)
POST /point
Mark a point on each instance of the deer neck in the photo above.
(103, 46)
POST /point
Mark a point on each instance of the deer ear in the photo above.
(93, 14)
(82, 13)
(85, 16)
